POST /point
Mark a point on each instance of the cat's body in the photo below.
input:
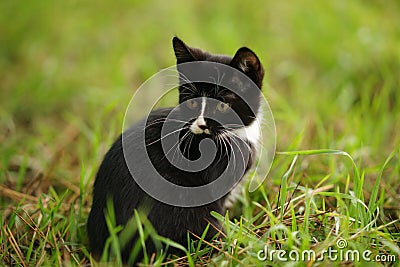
(114, 178)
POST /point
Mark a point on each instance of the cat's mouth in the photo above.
(199, 130)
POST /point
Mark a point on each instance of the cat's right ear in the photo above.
(182, 51)
(246, 61)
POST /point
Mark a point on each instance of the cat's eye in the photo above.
(191, 104)
(223, 107)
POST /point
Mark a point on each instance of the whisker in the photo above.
(185, 79)
(177, 143)
(237, 136)
(165, 155)
(236, 142)
(183, 128)
(161, 120)
(188, 144)
(180, 141)
(224, 141)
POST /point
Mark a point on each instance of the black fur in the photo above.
(115, 181)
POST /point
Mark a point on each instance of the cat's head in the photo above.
(233, 90)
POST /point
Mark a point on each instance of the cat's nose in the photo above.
(203, 126)
(201, 123)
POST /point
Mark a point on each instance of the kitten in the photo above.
(197, 101)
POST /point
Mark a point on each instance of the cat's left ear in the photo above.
(182, 51)
(246, 61)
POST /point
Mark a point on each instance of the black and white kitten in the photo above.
(114, 180)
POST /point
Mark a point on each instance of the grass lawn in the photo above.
(68, 70)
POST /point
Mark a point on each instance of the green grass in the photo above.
(68, 70)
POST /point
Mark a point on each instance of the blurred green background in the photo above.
(332, 69)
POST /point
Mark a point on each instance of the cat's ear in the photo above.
(246, 61)
(182, 51)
